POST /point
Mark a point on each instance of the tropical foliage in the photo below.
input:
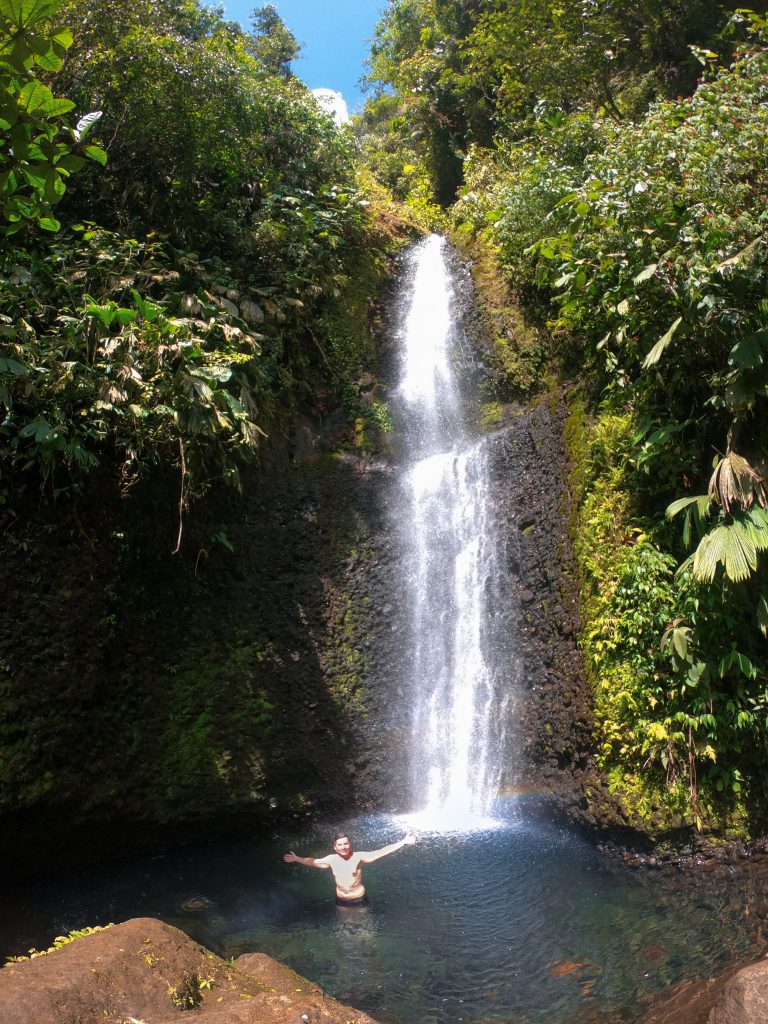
(120, 341)
(465, 72)
(38, 150)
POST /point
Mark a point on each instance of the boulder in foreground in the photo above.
(744, 999)
(147, 972)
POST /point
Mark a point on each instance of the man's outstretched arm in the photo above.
(308, 862)
(369, 858)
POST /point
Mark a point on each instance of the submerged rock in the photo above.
(147, 971)
(735, 996)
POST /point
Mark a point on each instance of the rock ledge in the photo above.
(146, 972)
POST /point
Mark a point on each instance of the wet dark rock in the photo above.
(550, 749)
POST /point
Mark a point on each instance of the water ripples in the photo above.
(521, 924)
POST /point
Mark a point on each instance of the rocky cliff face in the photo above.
(532, 505)
(243, 674)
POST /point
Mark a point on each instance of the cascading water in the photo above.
(453, 555)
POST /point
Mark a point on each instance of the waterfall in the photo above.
(452, 555)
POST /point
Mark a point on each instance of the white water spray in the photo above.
(459, 711)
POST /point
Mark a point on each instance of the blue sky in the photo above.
(334, 37)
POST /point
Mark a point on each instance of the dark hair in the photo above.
(338, 836)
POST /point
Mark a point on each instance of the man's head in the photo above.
(342, 845)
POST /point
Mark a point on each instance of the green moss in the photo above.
(518, 363)
(343, 655)
(491, 414)
(372, 427)
(206, 748)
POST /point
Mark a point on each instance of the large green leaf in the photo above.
(36, 175)
(700, 500)
(749, 352)
(49, 60)
(24, 13)
(49, 223)
(9, 113)
(96, 153)
(13, 366)
(658, 349)
(39, 429)
(38, 100)
(742, 387)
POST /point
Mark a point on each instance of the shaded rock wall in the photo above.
(551, 739)
(244, 674)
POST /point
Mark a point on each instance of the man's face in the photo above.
(343, 847)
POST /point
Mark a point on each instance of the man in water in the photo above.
(347, 866)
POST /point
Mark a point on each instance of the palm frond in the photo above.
(735, 483)
(762, 612)
(658, 349)
(727, 545)
(740, 554)
(758, 516)
(687, 565)
(696, 509)
(702, 505)
(755, 528)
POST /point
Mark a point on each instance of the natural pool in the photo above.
(521, 922)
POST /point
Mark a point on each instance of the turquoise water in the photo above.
(518, 924)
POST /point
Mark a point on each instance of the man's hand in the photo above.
(290, 858)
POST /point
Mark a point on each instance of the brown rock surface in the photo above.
(745, 998)
(146, 972)
(738, 995)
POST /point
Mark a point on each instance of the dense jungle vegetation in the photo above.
(611, 159)
(179, 216)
